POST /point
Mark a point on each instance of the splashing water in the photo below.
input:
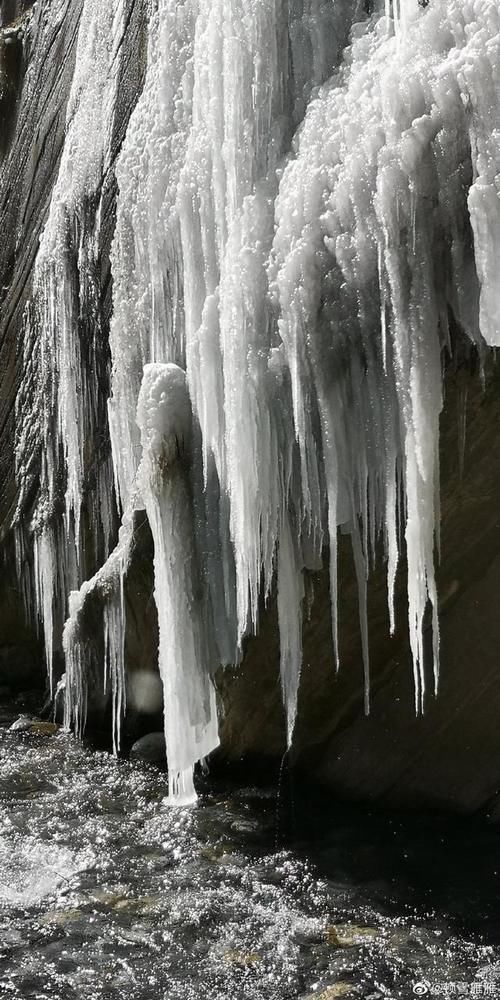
(105, 894)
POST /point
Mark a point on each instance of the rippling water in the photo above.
(107, 893)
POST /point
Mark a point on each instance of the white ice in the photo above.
(164, 419)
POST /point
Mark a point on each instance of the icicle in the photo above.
(46, 582)
(114, 657)
(197, 178)
(104, 592)
(148, 322)
(61, 418)
(290, 597)
(391, 540)
(164, 419)
(354, 251)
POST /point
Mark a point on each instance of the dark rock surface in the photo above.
(32, 110)
(449, 757)
(28, 176)
(150, 748)
(19, 667)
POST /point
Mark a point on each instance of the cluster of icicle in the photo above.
(289, 245)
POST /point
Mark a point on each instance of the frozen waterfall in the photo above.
(308, 191)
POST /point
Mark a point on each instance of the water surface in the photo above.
(108, 894)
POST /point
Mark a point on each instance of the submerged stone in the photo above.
(331, 992)
(349, 935)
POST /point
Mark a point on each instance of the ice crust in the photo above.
(296, 222)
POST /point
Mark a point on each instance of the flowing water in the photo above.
(252, 894)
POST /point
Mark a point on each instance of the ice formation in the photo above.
(56, 428)
(164, 419)
(296, 222)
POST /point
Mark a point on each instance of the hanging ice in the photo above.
(164, 418)
(197, 177)
(280, 310)
(101, 596)
(60, 343)
(372, 249)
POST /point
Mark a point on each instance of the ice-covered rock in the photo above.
(296, 223)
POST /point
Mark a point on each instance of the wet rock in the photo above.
(309, 937)
(217, 852)
(349, 935)
(22, 724)
(44, 728)
(245, 826)
(60, 918)
(242, 958)
(143, 905)
(109, 896)
(26, 724)
(332, 937)
(331, 992)
(150, 748)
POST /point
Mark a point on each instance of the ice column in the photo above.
(164, 418)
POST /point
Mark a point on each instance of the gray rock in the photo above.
(150, 748)
(37, 727)
(22, 724)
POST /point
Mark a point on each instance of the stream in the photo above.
(268, 893)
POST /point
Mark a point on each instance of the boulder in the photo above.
(150, 748)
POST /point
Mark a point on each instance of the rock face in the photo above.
(34, 116)
(37, 59)
(31, 144)
(449, 757)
